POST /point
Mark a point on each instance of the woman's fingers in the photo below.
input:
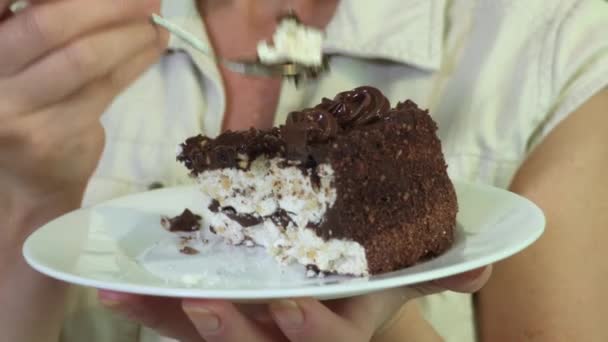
(358, 318)
(190, 320)
(66, 70)
(97, 96)
(371, 311)
(221, 321)
(67, 125)
(163, 315)
(299, 320)
(47, 26)
(308, 320)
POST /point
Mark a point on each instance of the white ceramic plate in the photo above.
(120, 245)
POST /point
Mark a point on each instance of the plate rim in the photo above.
(332, 290)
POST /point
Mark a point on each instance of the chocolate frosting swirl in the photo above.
(357, 107)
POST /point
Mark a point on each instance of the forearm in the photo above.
(51, 138)
(31, 305)
(556, 289)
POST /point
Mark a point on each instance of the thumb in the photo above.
(468, 282)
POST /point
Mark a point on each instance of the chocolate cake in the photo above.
(351, 186)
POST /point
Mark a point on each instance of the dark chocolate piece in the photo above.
(244, 220)
(187, 221)
(281, 218)
(214, 206)
(313, 268)
(189, 250)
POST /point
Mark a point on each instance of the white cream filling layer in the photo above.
(293, 42)
(269, 186)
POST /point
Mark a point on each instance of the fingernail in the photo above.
(287, 313)
(108, 299)
(203, 319)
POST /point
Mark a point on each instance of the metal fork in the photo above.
(247, 67)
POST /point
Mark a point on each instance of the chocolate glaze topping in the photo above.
(304, 138)
(230, 149)
(319, 124)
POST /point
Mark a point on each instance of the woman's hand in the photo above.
(355, 319)
(62, 63)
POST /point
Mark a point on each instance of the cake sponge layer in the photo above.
(277, 206)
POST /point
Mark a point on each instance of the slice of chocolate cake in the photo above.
(351, 186)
